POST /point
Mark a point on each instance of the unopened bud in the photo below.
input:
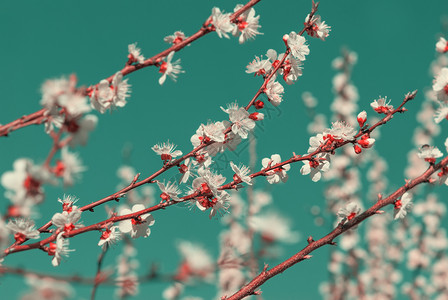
(357, 149)
(362, 118)
(259, 104)
(256, 116)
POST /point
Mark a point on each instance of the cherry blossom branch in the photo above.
(308, 25)
(250, 288)
(40, 117)
(324, 148)
(134, 184)
(37, 117)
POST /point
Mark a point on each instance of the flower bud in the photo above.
(256, 116)
(362, 118)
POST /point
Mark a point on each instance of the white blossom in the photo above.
(138, 226)
(403, 206)
(166, 151)
(297, 44)
(169, 68)
(350, 211)
(241, 172)
(247, 25)
(318, 27)
(274, 90)
(221, 22)
(274, 176)
(59, 249)
(134, 53)
(23, 229)
(440, 85)
(241, 123)
(109, 236)
(442, 45)
(170, 191)
(175, 38)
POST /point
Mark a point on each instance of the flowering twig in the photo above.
(117, 195)
(325, 148)
(40, 117)
(250, 288)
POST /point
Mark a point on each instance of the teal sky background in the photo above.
(395, 42)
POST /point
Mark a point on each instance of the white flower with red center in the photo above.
(109, 236)
(170, 191)
(315, 167)
(362, 118)
(208, 182)
(442, 45)
(258, 66)
(176, 38)
(202, 159)
(291, 69)
(169, 68)
(24, 182)
(441, 113)
(366, 141)
(440, 85)
(318, 27)
(218, 203)
(67, 219)
(348, 212)
(69, 167)
(241, 123)
(67, 203)
(403, 206)
(210, 132)
(59, 249)
(256, 116)
(274, 58)
(79, 130)
(110, 96)
(381, 106)
(297, 44)
(23, 229)
(221, 22)
(166, 151)
(134, 54)
(138, 226)
(340, 131)
(246, 24)
(274, 90)
(273, 227)
(277, 174)
(429, 153)
(241, 173)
